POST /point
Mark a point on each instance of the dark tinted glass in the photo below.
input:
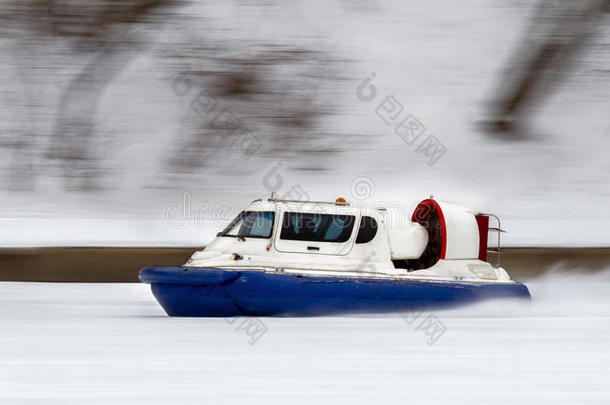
(367, 231)
(317, 227)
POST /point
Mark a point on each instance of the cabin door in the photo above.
(315, 233)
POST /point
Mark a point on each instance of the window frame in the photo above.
(239, 217)
(286, 214)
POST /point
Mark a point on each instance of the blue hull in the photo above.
(214, 292)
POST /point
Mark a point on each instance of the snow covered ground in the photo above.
(100, 343)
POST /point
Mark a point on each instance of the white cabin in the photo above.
(439, 241)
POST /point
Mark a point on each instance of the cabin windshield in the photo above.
(251, 224)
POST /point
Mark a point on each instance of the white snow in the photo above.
(101, 343)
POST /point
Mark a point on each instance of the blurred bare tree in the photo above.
(102, 30)
(558, 32)
(277, 93)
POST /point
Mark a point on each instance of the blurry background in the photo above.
(151, 122)
(135, 130)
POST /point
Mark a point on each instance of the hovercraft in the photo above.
(306, 258)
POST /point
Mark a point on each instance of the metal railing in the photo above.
(273, 198)
(497, 250)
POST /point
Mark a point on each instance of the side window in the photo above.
(367, 231)
(317, 227)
